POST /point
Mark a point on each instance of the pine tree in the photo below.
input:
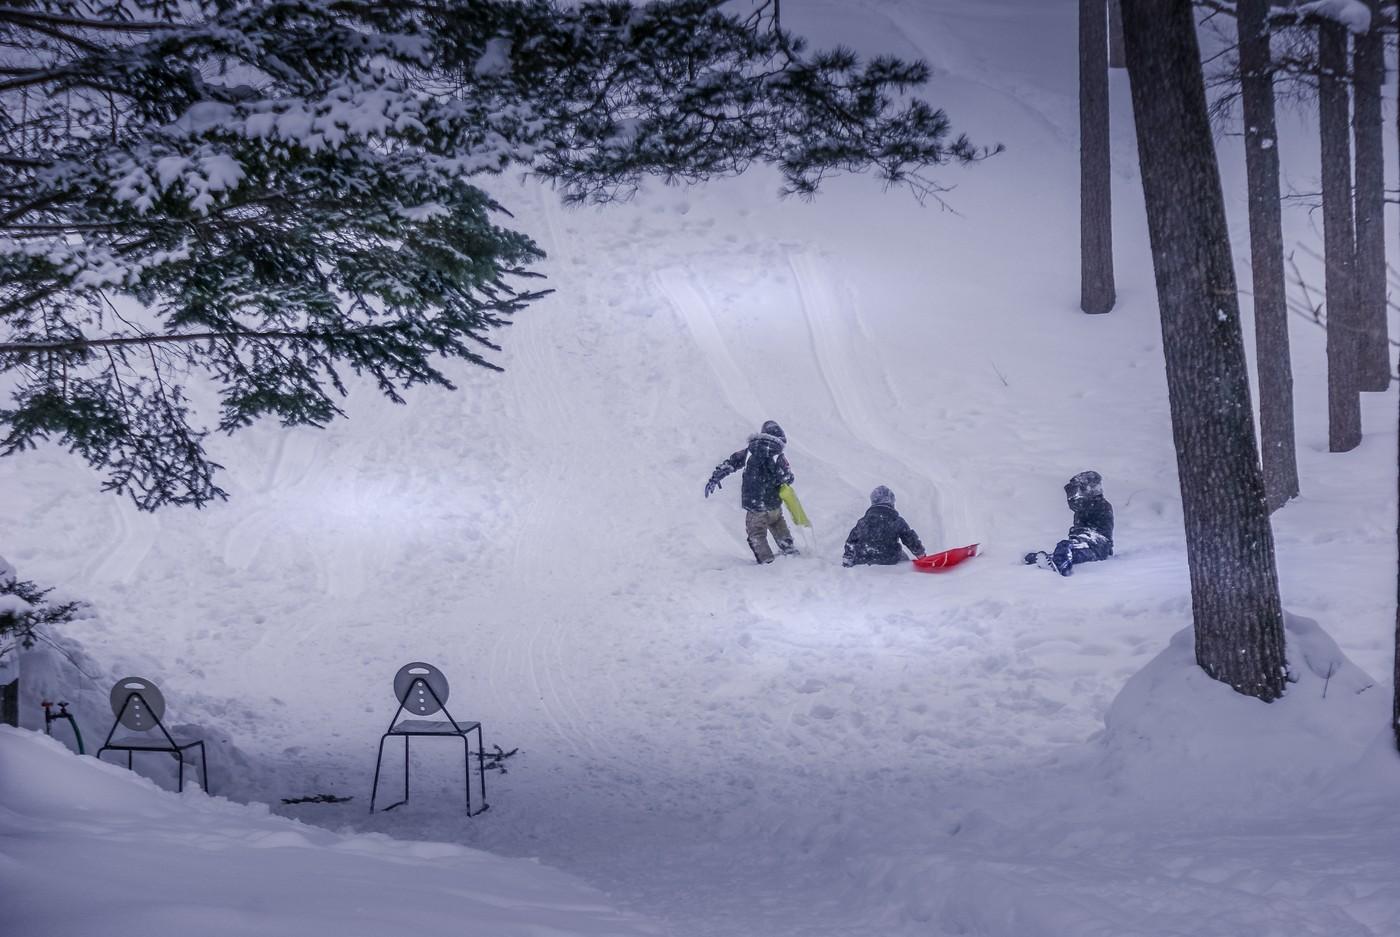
(1116, 56)
(26, 610)
(1229, 543)
(1338, 238)
(1395, 696)
(1321, 56)
(1097, 294)
(1368, 68)
(265, 196)
(1273, 360)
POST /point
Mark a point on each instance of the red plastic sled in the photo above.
(937, 562)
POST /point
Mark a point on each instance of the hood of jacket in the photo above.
(766, 443)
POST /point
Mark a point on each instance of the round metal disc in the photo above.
(144, 710)
(416, 683)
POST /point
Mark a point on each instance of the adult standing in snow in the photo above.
(1090, 534)
(766, 470)
(877, 537)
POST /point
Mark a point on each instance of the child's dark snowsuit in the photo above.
(1091, 534)
(765, 471)
(876, 538)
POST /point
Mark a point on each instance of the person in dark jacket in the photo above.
(1091, 534)
(876, 538)
(765, 471)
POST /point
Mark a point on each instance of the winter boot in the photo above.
(1063, 559)
(1039, 558)
(787, 549)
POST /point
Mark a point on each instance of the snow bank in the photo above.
(87, 848)
(1175, 736)
(1197, 811)
(58, 668)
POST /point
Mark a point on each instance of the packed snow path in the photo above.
(732, 750)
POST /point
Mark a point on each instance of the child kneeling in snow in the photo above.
(1091, 534)
(876, 538)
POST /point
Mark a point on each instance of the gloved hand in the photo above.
(711, 486)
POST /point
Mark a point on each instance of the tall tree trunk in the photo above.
(1116, 56)
(1368, 68)
(1266, 255)
(1096, 292)
(1229, 544)
(9, 703)
(1338, 244)
(1395, 708)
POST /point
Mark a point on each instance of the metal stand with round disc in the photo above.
(422, 691)
(139, 706)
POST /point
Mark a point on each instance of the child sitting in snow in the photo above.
(876, 538)
(1091, 534)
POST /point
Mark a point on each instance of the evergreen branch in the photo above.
(319, 214)
(30, 78)
(53, 32)
(234, 335)
(24, 17)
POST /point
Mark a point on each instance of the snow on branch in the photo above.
(1353, 14)
(292, 182)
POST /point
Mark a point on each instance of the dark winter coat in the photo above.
(1093, 525)
(875, 539)
(765, 471)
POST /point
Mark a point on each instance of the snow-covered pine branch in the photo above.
(292, 183)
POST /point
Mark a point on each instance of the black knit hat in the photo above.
(1084, 485)
(771, 428)
(882, 495)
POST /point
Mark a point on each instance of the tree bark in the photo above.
(1395, 705)
(9, 703)
(1338, 244)
(1096, 290)
(1229, 544)
(1276, 437)
(1368, 66)
(1116, 56)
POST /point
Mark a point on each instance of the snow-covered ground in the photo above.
(97, 850)
(798, 749)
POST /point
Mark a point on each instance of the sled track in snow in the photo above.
(293, 460)
(698, 315)
(1030, 101)
(823, 312)
(835, 345)
(536, 648)
(680, 290)
(134, 536)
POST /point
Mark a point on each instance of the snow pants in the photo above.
(757, 524)
(1083, 546)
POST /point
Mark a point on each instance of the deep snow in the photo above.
(797, 749)
(95, 849)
